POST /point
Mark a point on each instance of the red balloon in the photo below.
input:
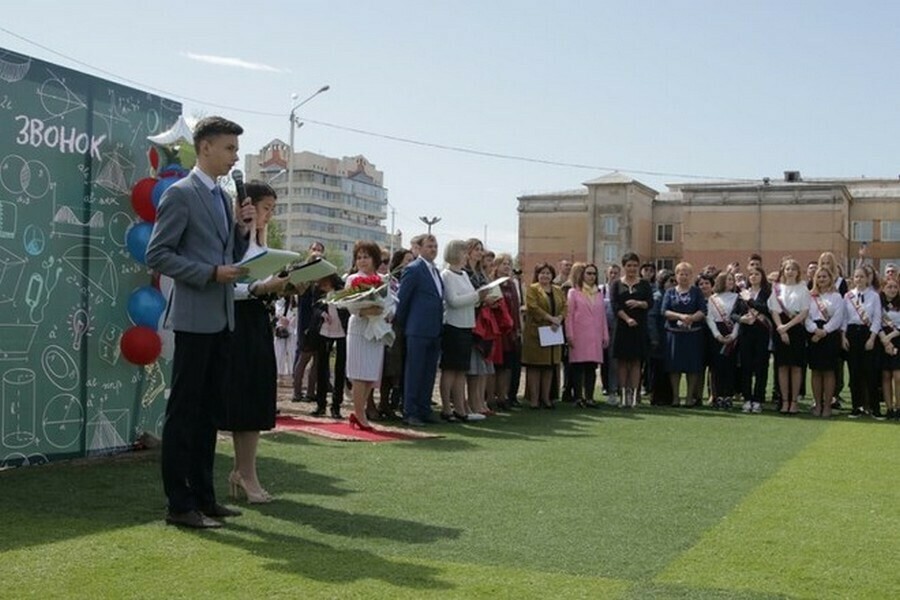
(153, 155)
(140, 345)
(142, 199)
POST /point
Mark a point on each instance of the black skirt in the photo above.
(792, 354)
(456, 348)
(825, 354)
(250, 398)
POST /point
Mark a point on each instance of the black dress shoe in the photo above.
(193, 519)
(218, 511)
(319, 412)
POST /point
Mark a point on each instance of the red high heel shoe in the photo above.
(357, 424)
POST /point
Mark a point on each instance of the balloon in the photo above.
(136, 239)
(142, 199)
(140, 345)
(161, 186)
(145, 306)
(153, 155)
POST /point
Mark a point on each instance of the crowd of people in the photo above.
(719, 331)
(481, 324)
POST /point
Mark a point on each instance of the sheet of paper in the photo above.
(267, 262)
(549, 337)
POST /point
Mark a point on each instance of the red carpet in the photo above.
(341, 430)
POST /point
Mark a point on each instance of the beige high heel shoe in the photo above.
(236, 487)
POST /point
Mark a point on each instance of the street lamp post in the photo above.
(429, 222)
(294, 125)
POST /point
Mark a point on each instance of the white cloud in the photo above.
(227, 61)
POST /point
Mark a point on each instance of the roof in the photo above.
(612, 178)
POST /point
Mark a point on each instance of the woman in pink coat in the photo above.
(586, 331)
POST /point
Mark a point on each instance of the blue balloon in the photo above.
(136, 239)
(161, 186)
(146, 305)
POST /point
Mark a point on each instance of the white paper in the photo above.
(549, 337)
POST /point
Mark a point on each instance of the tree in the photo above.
(275, 235)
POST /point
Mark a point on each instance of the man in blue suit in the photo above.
(420, 314)
(193, 242)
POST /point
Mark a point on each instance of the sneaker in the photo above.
(877, 415)
(748, 406)
(855, 413)
(475, 417)
(756, 407)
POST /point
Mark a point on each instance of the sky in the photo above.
(664, 91)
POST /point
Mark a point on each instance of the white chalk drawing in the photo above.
(153, 120)
(101, 272)
(20, 176)
(60, 368)
(155, 382)
(56, 97)
(40, 287)
(160, 423)
(19, 408)
(66, 215)
(34, 240)
(107, 430)
(116, 173)
(13, 67)
(18, 459)
(9, 216)
(117, 227)
(62, 421)
(11, 268)
(115, 113)
(109, 343)
(80, 326)
(16, 340)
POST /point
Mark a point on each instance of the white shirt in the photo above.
(719, 309)
(858, 305)
(833, 305)
(794, 297)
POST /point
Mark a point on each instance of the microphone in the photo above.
(238, 177)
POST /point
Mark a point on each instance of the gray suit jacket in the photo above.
(188, 241)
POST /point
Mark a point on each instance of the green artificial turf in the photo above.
(610, 503)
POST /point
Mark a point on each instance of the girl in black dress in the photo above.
(249, 406)
(631, 299)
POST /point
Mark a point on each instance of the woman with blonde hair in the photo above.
(861, 328)
(460, 300)
(684, 309)
(789, 305)
(479, 366)
(824, 323)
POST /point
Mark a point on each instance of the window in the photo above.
(611, 253)
(665, 232)
(610, 225)
(890, 231)
(665, 263)
(861, 231)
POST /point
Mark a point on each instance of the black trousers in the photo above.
(754, 353)
(200, 371)
(724, 367)
(584, 380)
(862, 369)
(340, 370)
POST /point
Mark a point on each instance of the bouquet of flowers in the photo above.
(366, 292)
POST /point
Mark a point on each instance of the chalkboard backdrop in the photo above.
(71, 148)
